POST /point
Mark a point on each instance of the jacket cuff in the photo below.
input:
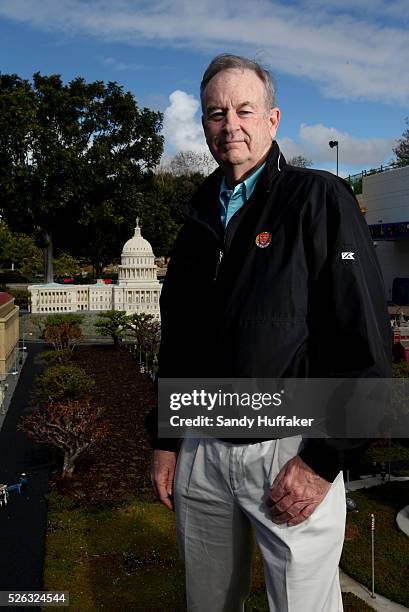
(324, 460)
(151, 426)
(166, 444)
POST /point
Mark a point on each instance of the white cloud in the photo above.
(181, 129)
(183, 132)
(117, 64)
(355, 152)
(357, 49)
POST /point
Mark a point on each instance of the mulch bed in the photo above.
(118, 468)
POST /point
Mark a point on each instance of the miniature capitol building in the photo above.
(138, 288)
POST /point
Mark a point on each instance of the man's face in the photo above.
(237, 125)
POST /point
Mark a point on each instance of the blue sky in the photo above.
(340, 67)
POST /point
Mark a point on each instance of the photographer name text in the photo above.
(245, 421)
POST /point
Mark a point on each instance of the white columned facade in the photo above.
(138, 288)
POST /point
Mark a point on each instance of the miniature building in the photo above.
(138, 288)
(9, 334)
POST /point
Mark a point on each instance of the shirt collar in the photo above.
(246, 187)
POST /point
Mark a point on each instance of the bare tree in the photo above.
(402, 148)
(300, 161)
(192, 162)
(73, 427)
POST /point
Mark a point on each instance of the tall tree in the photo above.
(402, 148)
(20, 252)
(161, 206)
(72, 153)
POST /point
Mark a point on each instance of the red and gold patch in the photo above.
(263, 240)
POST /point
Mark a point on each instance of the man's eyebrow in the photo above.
(247, 103)
(215, 107)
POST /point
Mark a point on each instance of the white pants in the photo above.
(220, 494)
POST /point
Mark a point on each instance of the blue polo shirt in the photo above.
(231, 200)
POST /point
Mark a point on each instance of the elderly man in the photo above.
(256, 284)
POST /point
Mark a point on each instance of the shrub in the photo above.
(13, 276)
(21, 296)
(63, 330)
(146, 332)
(112, 323)
(401, 369)
(73, 427)
(56, 357)
(63, 382)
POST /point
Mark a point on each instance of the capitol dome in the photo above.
(138, 289)
(137, 245)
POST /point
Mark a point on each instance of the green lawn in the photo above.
(114, 559)
(391, 545)
(126, 559)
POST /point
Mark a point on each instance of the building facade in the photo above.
(137, 291)
(9, 334)
(385, 198)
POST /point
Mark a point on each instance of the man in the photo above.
(255, 284)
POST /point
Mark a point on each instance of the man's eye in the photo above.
(244, 113)
(216, 115)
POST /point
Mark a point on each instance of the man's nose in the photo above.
(231, 121)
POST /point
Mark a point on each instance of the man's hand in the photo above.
(296, 492)
(162, 473)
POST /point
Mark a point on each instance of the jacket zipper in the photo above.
(228, 236)
(218, 264)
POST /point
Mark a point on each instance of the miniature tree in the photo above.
(63, 330)
(56, 357)
(73, 427)
(63, 382)
(146, 332)
(112, 323)
(137, 324)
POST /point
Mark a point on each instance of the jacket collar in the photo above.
(204, 206)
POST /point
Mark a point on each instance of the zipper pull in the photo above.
(219, 261)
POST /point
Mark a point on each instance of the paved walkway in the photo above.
(365, 482)
(349, 585)
(23, 521)
(402, 520)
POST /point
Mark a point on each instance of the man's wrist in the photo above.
(323, 460)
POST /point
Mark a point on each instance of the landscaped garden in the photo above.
(111, 545)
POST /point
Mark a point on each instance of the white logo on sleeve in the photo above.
(347, 255)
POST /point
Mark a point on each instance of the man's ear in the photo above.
(274, 120)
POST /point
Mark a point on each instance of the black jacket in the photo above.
(232, 309)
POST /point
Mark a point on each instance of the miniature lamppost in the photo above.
(373, 554)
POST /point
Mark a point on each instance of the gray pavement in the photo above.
(349, 585)
(402, 520)
(9, 386)
(365, 482)
(23, 521)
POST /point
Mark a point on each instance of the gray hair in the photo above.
(225, 61)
